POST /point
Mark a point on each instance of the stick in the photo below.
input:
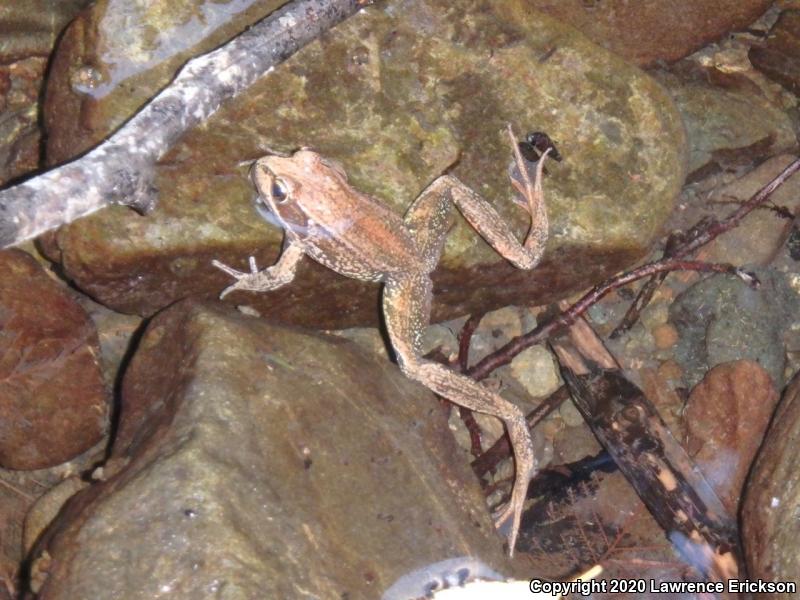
(121, 169)
(506, 354)
(701, 234)
(666, 479)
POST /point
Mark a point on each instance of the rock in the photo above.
(53, 404)
(269, 463)
(109, 62)
(46, 508)
(720, 319)
(397, 106)
(31, 28)
(726, 417)
(729, 120)
(537, 371)
(649, 31)
(28, 30)
(20, 137)
(779, 57)
(665, 336)
(761, 235)
(115, 332)
(770, 527)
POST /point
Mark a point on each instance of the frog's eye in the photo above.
(279, 191)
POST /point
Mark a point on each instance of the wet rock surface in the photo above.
(727, 415)
(762, 235)
(779, 57)
(31, 28)
(649, 31)
(720, 320)
(769, 516)
(397, 109)
(29, 31)
(53, 402)
(264, 461)
(730, 121)
(117, 55)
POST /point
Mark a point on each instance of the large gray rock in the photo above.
(257, 461)
(730, 122)
(770, 527)
(720, 319)
(397, 94)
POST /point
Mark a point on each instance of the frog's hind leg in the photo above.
(428, 220)
(406, 307)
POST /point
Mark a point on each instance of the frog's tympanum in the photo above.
(357, 236)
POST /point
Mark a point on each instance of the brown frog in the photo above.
(359, 237)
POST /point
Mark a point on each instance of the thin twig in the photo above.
(506, 354)
(16, 490)
(700, 234)
(121, 169)
(464, 339)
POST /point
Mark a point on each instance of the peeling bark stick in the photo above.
(121, 169)
(666, 479)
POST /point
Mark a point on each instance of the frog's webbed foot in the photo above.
(508, 518)
(244, 280)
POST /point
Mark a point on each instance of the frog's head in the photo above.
(293, 188)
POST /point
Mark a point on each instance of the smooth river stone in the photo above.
(53, 402)
(260, 461)
(399, 94)
(649, 31)
(770, 527)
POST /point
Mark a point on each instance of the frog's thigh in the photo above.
(429, 219)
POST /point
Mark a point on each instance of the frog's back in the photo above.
(363, 239)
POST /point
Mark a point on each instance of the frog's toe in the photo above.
(507, 522)
(229, 270)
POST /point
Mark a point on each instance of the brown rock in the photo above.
(20, 137)
(28, 30)
(53, 404)
(779, 57)
(266, 460)
(665, 336)
(647, 31)
(726, 417)
(770, 527)
(396, 109)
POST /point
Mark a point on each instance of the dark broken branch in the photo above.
(120, 170)
(666, 479)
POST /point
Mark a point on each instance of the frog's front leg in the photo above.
(281, 273)
(406, 309)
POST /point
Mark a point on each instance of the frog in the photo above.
(325, 218)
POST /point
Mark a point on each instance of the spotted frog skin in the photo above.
(359, 237)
